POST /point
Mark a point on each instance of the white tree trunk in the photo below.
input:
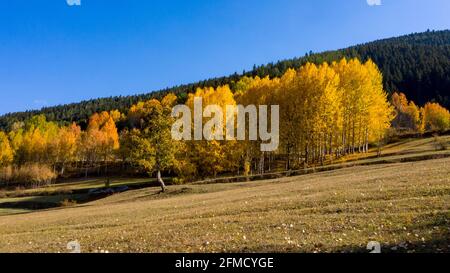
(161, 182)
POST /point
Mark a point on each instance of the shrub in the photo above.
(178, 181)
(68, 203)
(185, 171)
(435, 117)
(6, 174)
(33, 174)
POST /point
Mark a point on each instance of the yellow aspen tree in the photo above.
(212, 156)
(66, 145)
(407, 114)
(380, 112)
(253, 93)
(366, 111)
(100, 141)
(413, 113)
(290, 99)
(435, 117)
(34, 143)
(6, 151)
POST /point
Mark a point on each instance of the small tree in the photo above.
(154, 149)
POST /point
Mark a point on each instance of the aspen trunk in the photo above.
(161, 182)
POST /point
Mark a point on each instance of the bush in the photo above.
(178, 181)
(33, 174)
(68, 203)
(185, 171)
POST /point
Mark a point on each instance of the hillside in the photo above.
(400, 199)
(404, 206)
(417, 65)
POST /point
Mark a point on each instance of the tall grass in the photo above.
(28, 175)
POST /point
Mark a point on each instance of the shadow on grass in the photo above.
(437, 245)
(34, 203)
(48, 202)
(65, 198)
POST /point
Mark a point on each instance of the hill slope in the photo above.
(417, 64)
(404, 206)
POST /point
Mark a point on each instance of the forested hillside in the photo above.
(417, 65)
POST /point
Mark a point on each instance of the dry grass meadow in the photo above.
(405, 206)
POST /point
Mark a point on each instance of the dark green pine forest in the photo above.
(417, 65)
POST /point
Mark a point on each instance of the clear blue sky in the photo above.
(52, 53)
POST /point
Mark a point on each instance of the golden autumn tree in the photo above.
(320, 104)
(309, 103)
(212, 156)
(31, 140)
(15, 135)
(6, 151)
(116, 115)
(126, 147)
(65, 146)
(407, 114)
(326, 111)
(366, 113)
(150, 143)
(354, 83)
(435, 117)
(253, 92)
(31, 144)
(100, 141)
(380, 111)
(413, 112)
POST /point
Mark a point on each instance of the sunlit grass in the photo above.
(404, 206)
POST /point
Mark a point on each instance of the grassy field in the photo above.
(404, 206)
(405, 147)
(401, 199)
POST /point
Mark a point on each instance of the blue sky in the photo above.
(52, 53)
